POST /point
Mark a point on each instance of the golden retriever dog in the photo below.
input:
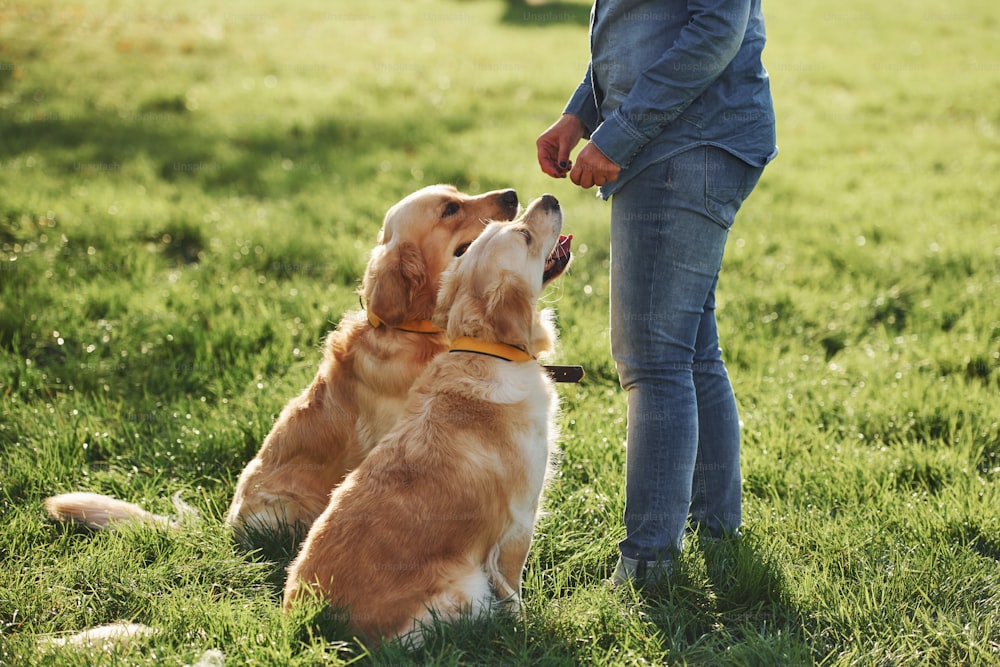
(436, 522)
(369, 363)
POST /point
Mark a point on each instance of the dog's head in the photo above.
(490, 292)
(420, 235)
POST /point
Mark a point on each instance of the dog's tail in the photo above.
(105, 636)
(98, 512)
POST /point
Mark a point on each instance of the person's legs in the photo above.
(668, 233)
(716, 497)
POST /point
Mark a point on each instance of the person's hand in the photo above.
(593, 168)
(554, 145)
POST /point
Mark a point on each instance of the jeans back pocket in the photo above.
(728, 182)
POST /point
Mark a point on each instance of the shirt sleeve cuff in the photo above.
(619, 142)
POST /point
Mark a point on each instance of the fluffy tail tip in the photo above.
(105, 636)
(96, 511)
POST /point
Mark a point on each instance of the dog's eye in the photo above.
(460, 250)
(451, 209)
(526, 234)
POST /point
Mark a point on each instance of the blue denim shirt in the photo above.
(668, 75)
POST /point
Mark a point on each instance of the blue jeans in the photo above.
(669, 226)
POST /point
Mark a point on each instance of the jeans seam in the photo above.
(709, 203)
(698, 494)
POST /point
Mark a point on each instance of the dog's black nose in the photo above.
(509, 198)
(550, 202)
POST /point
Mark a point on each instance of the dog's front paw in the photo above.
(512, 605)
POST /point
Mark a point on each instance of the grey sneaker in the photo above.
(641, 573)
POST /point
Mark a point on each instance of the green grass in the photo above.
(187, 198)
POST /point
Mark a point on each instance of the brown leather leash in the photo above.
(565, 373)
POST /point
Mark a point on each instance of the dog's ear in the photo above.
(510, 311)
(394, 284)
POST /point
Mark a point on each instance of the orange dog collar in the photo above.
(498, 350)
(413, 326)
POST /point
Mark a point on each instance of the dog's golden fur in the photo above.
(369, 364)
(436, 522)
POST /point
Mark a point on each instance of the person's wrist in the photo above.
(574, 120)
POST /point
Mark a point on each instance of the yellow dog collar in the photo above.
(413, 326)
(498, 350)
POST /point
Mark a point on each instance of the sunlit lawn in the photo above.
(188, 195)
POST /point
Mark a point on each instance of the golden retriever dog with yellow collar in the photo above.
(436, 522)
(369, 363)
